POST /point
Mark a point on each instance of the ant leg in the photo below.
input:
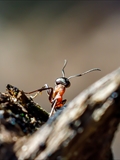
(53, 108)
(41, 89)
(45, 87)
(49, 91)
(34, 95)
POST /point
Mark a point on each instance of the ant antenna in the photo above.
(63, 72)
(78, 75)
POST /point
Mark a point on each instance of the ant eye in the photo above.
(64, 81)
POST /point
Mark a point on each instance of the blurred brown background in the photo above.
(36, 37)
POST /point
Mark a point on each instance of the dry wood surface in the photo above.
(84, 129)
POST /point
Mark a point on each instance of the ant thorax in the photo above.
(58, 91)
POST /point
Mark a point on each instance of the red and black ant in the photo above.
(56, 95)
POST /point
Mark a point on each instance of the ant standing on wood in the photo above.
(56, 95)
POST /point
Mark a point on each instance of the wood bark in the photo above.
(84, 129)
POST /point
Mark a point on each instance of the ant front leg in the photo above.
(50, 94)
(45, 87)
(32, 97)
(49, 91)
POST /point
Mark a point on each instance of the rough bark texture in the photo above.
(83, 130)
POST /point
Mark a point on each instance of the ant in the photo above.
(56, 95)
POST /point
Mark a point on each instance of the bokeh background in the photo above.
(36, 37)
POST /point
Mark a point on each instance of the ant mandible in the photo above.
(56, 95)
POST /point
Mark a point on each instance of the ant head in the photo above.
(65, 81)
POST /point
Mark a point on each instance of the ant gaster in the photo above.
(56, 95)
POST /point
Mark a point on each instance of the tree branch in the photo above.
(83, 130)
